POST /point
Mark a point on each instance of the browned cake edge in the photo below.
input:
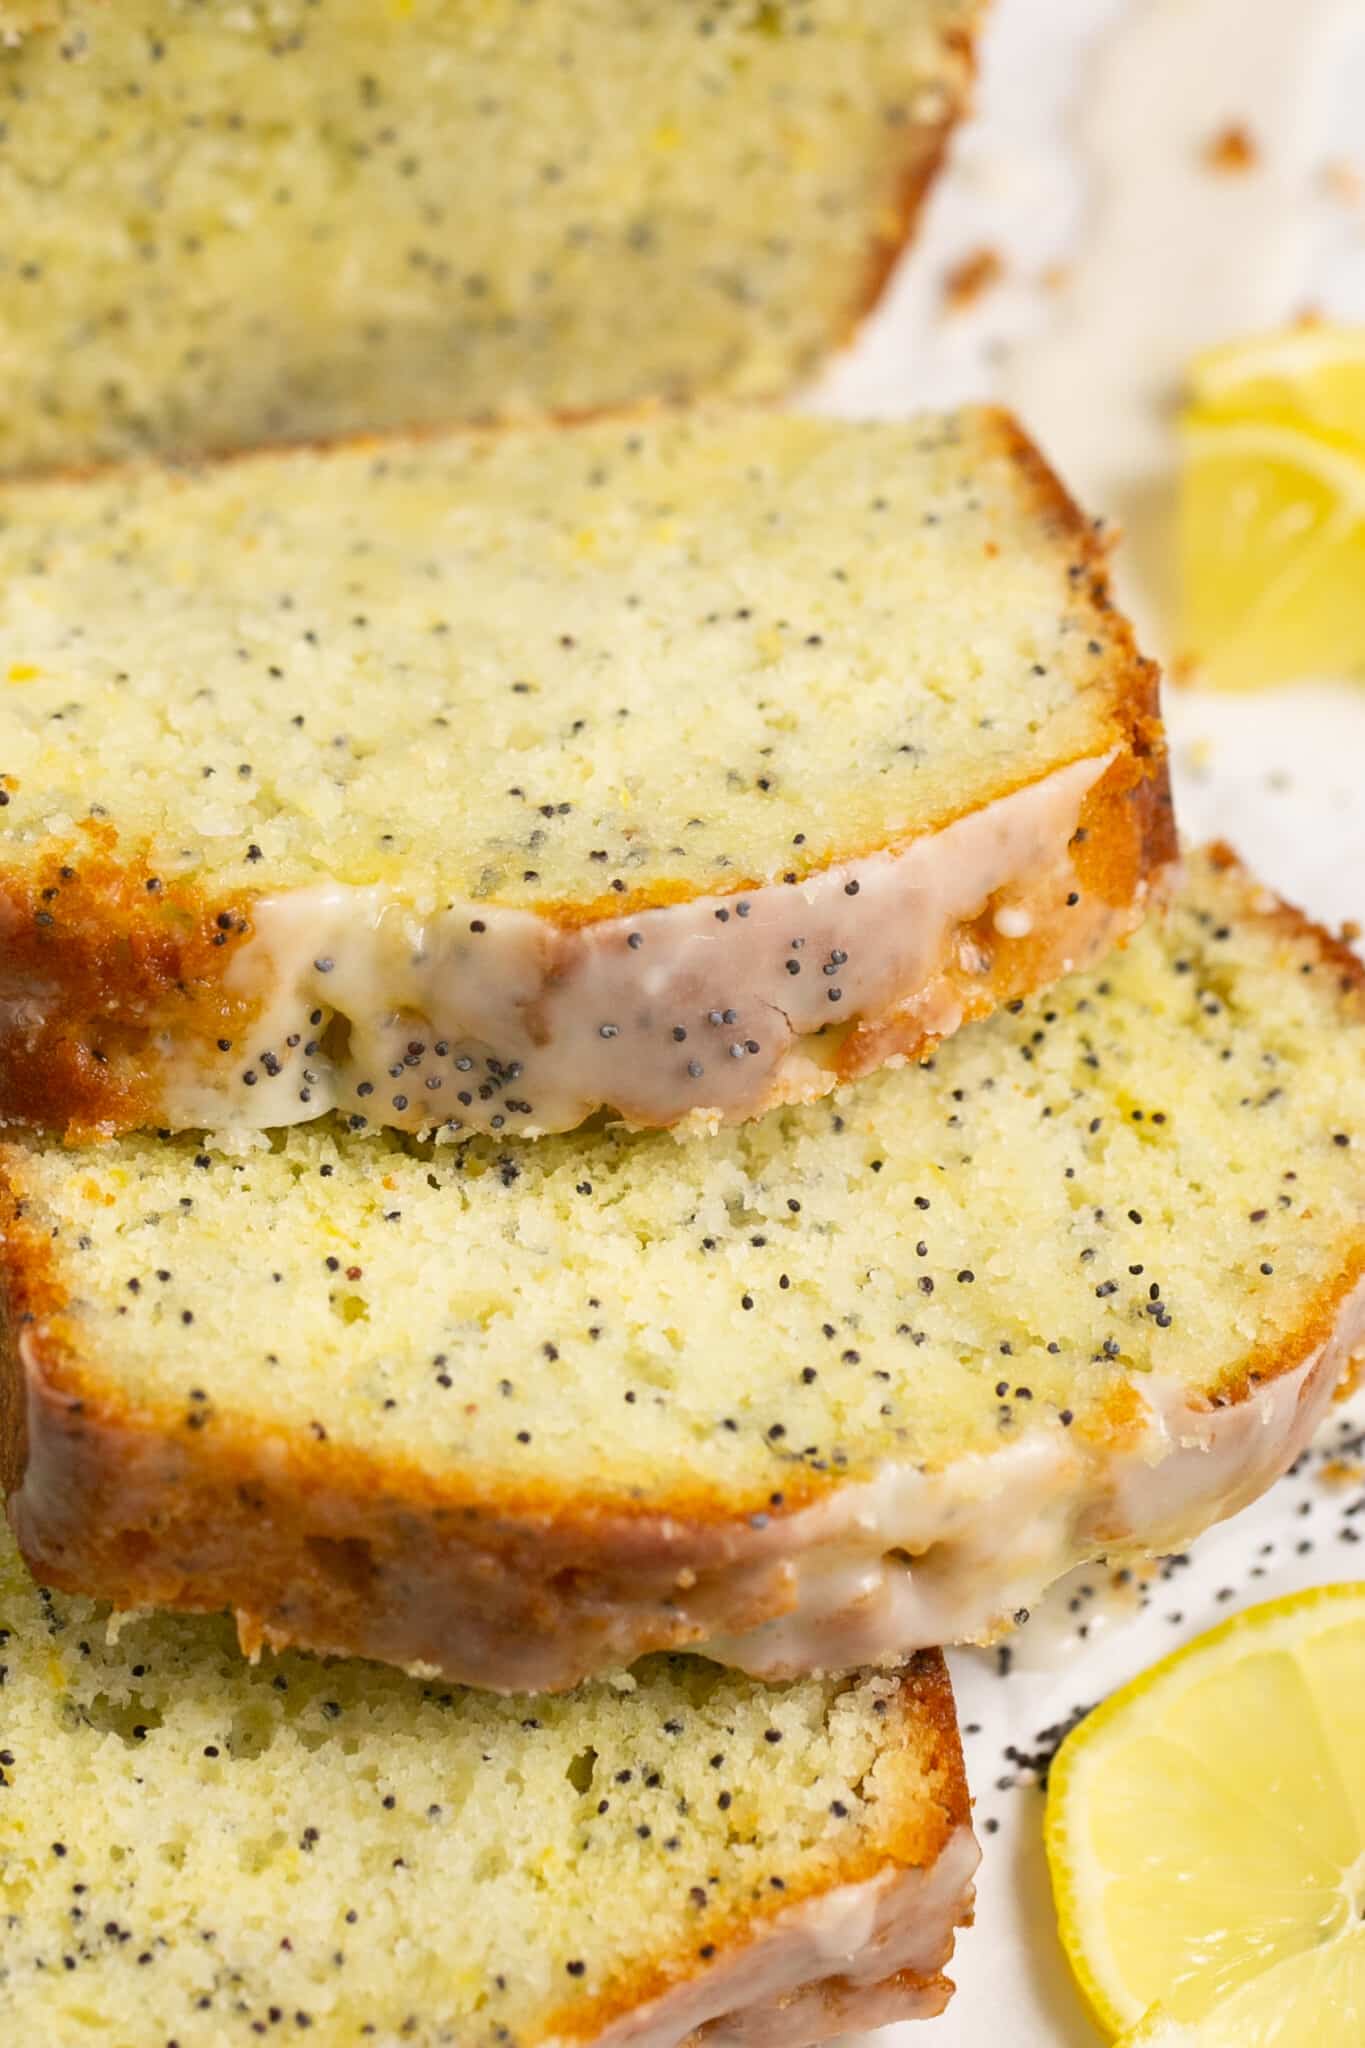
(863, 1947)
(926, 148)
(102, 958)
(337, 1549)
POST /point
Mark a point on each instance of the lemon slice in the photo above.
(1272, 509)
(1272, 546)
(1310, 377)
(1315, 2001)
(1206, 1835)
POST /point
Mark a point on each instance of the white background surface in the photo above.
(1282, 775)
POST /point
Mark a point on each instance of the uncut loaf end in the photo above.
(257, 223)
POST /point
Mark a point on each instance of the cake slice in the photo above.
(810, 1392)
(231, 225)
(680, 766)
(197, 1851)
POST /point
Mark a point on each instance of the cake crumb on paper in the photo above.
(1232, 150)
(966, 281)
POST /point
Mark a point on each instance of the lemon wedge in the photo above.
(1272, 510)
(1206, 1836)
(1311, 377)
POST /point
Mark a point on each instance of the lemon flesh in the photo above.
(1309, 377)
(1272, 511)
(1317, 1998)
(1206, 1835)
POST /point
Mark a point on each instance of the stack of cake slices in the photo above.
(614, 1099)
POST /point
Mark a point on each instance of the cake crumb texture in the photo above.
(227, 225)
(523, 1412)
(310, 760)
(200, 1850)
(547, 668)
(1155, 1169)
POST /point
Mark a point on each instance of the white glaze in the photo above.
(569, 1022)
(986, 1536)
(778, 1993)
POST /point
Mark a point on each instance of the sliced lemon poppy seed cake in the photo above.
(197, 1851)
(680, 766)
(227, 225)
(858, 1376)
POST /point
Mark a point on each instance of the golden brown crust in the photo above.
(1296, 924)
(924, 161)
(843, 2006)
(1135, 702)
(921, 1811)
(100, 957)
(927, 1701)
(384, 1559)
(1120, 846)
(113, 969)
(1270, 1361)
(338, 1550)
(99, 954)
(1348, 972)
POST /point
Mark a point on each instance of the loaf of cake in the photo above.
(199, 1852)
(677, 765)
(810, 1392)
(228, 225)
